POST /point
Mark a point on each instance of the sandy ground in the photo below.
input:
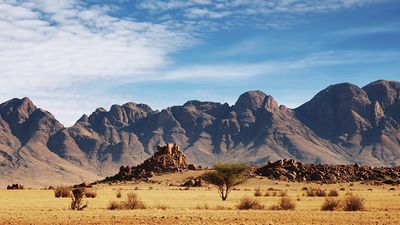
(200, 205)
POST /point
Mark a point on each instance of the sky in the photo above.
(71, 57)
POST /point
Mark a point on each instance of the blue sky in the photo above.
(71, 57)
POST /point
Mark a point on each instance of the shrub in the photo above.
(62, 191)
(342, 189)
(225, 177)
(203, 207)
(133, 202)
(221, 207)
(161, 206)
(315, 192)
(267, 194)
(285, 203)
(77, 196)
(118, 194)
(90, 193)
(353, 203)
(333, 193)
(247, 203)
(113, 205)
(330, 204)
(257, 192)
(283, 193)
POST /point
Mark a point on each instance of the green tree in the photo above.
(226, 176)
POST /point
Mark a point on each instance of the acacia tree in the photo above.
(226, 176)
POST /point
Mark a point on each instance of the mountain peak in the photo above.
(250, 100)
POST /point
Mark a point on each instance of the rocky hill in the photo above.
(342, 124)
(167, 159)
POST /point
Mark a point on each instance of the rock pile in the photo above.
(290, 170)
(15, 187)
(167, 159)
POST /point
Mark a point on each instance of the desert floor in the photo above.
(200, 205)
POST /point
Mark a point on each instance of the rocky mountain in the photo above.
(341, 124)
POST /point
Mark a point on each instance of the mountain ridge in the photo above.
(341, 124)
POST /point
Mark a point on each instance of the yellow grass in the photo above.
(187, 206)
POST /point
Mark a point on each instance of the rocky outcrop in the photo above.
(291, 170)
(167, 159)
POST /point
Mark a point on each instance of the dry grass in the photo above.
(36, 207)
(202, 207)
(247, 203)
(161, 206)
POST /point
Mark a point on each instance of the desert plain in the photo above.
(166, 204)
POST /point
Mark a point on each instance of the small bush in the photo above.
(333, 193)
(353, 203)
(133, 202)
(203, 207)
(285, 203)
(267, 194)
(304, 188)
(113, 205)
(283, 193)
(90, 193)
(118, 194)
(247, 203)
(62, 192)
(315, 192)
(342, 189)
(161, 206)
(274, 193)
(221, 207)
(330, 204)
(257, 192)
(76, 201)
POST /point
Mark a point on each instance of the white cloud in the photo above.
(48, 47)
(244, 71)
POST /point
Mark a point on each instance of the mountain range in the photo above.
(342, 124)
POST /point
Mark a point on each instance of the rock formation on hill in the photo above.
(342, 124)
(290, 170)
(167, 159)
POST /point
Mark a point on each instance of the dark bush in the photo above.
(118, 194)
(62, 192)
(257, 192)
(333, 193)
(353, 203)
(315, 192)
(247, 203)
(330, 204)
(133, 202)
(90, 193)
(285, 203)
